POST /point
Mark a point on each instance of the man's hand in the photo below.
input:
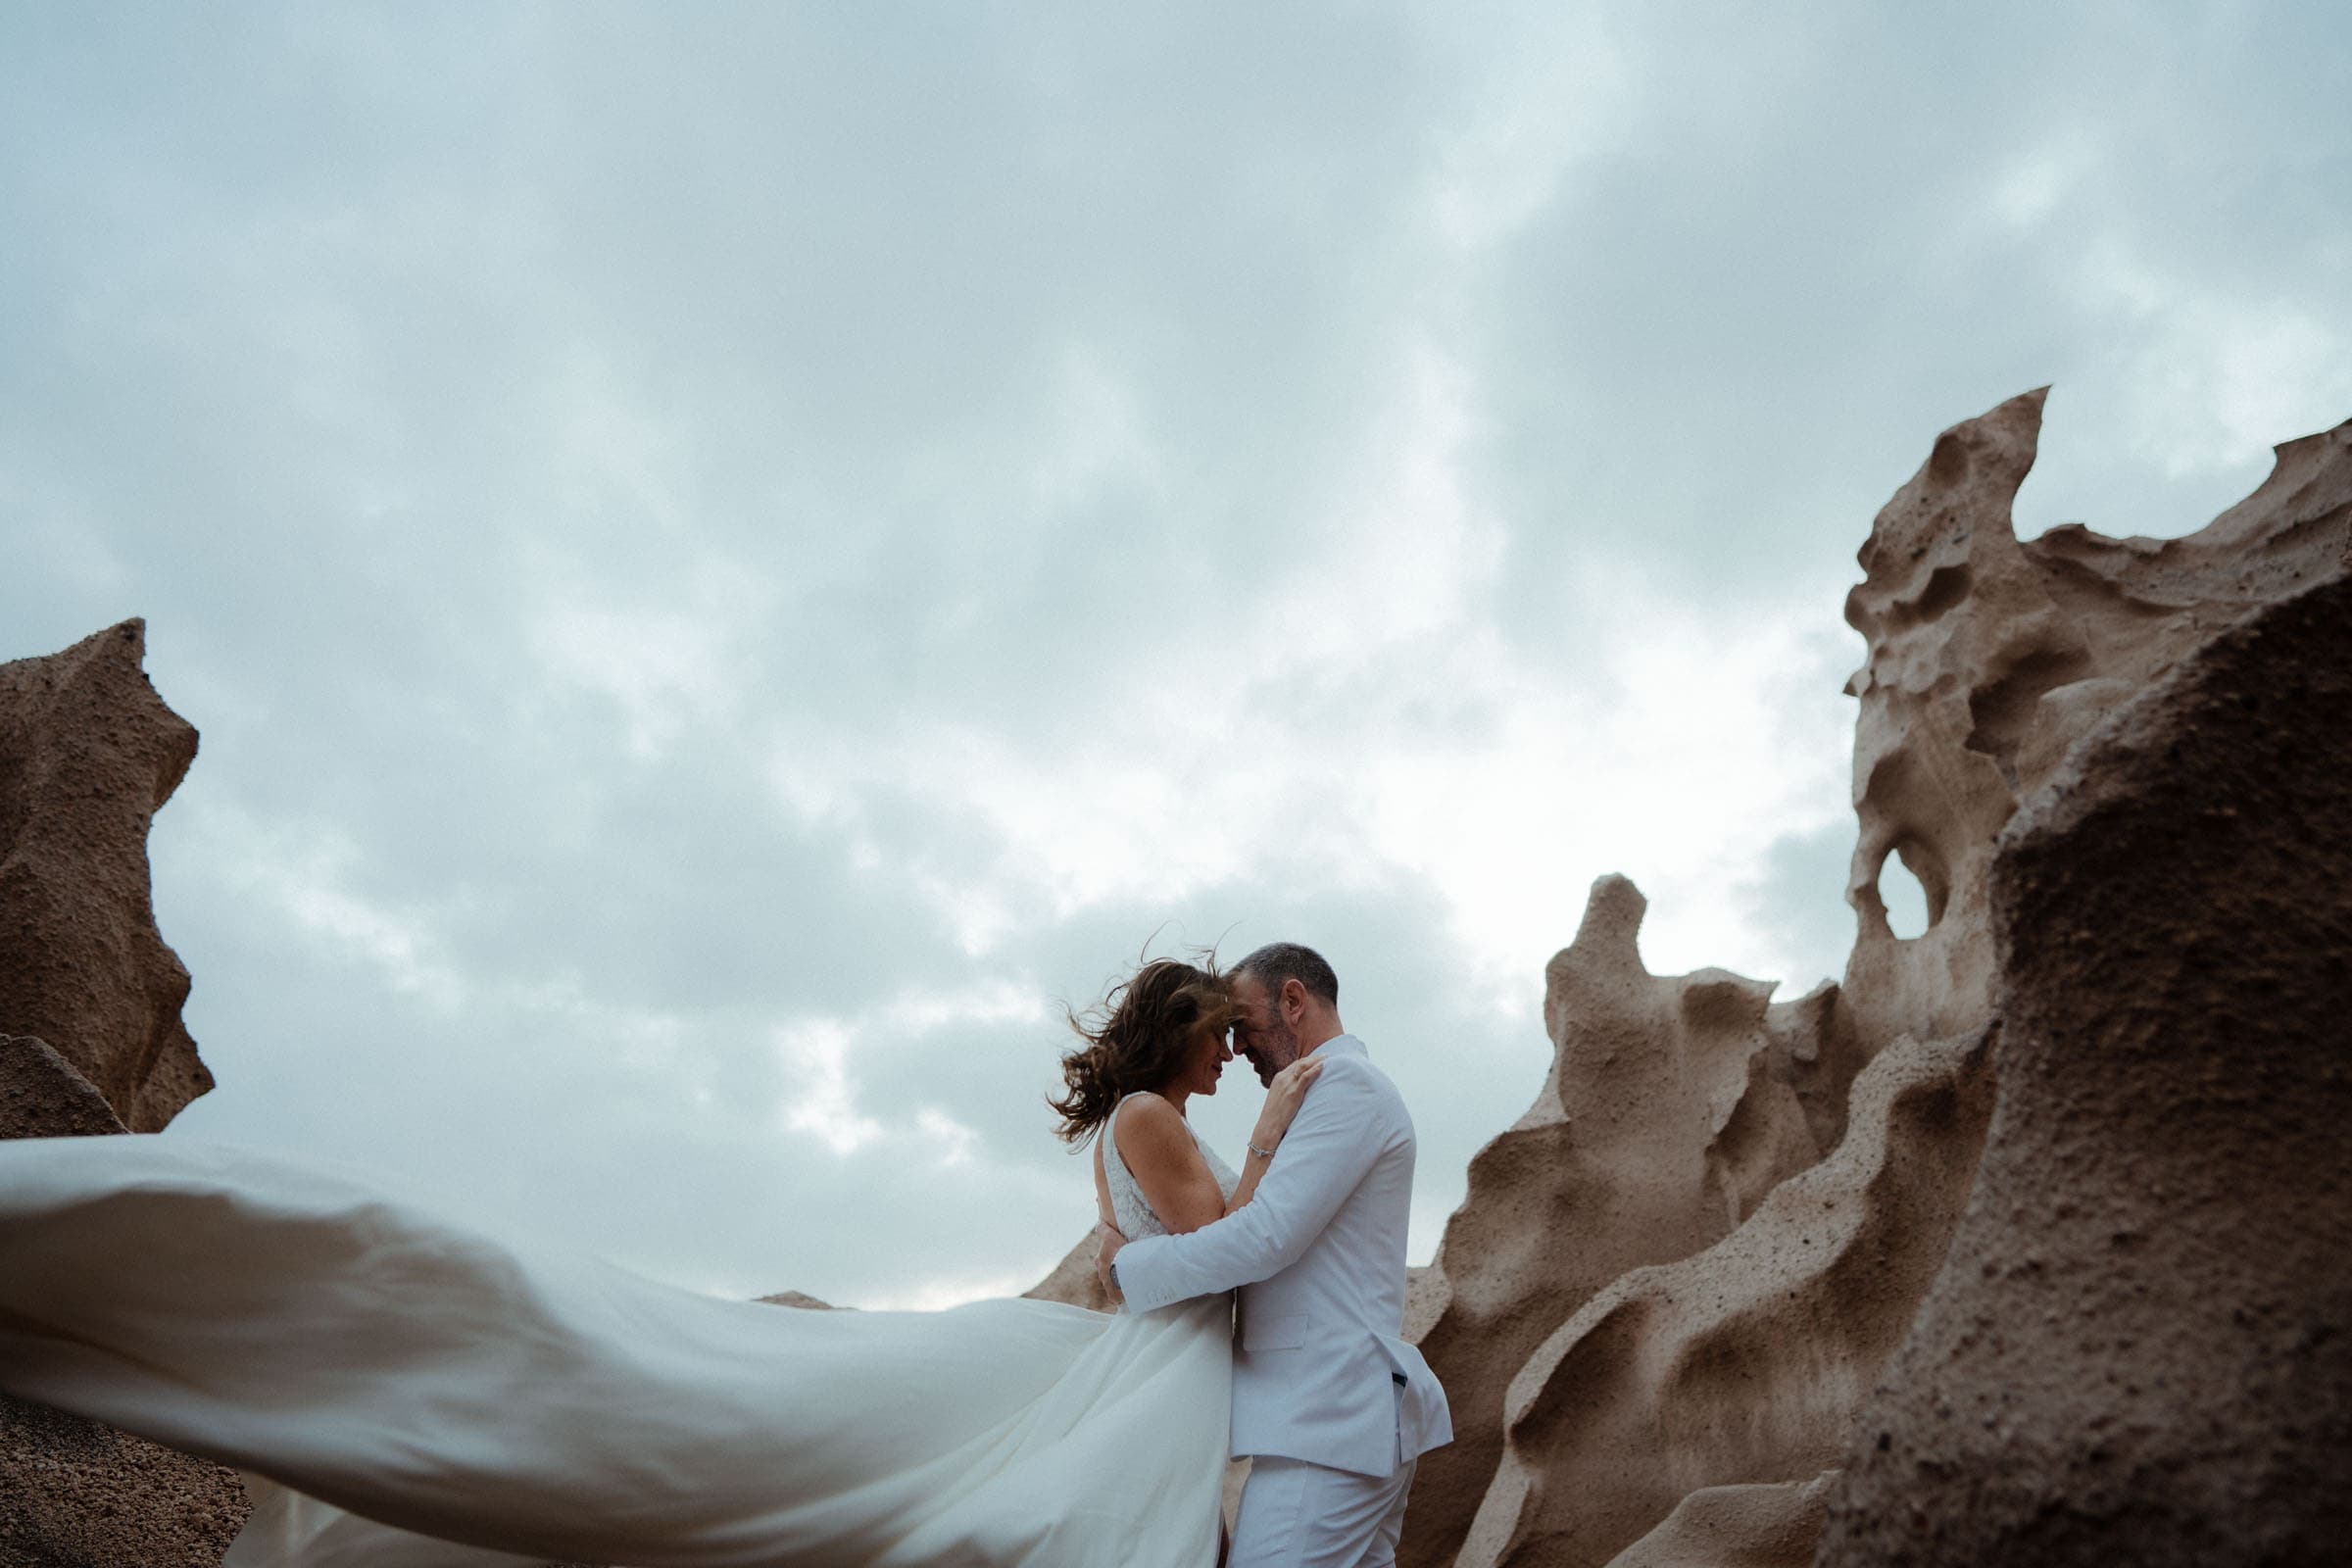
(1113, 1241)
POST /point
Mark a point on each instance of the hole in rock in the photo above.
(1906, 900)
(2003, 713)
(1946, 587)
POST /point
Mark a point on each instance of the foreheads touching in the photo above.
(1287, 1003)
(1164, 1028)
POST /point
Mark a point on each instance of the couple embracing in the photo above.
(1331, 1407)
(401, 1392)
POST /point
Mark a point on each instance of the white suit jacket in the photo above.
(1319, 1371)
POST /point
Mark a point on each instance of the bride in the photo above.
(404, 1393)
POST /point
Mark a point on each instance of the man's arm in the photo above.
(1339, 1132)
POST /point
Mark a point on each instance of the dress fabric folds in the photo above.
(406, 1394)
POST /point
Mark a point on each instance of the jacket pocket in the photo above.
(1280, 1330)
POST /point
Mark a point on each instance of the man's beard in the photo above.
(1284, 1042)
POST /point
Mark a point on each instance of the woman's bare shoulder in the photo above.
(1147, 1104)
(1147, 1126)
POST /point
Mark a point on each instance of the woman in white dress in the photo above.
(404, 1393)
(1158, 1039)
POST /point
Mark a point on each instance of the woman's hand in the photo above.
(1283, 1098)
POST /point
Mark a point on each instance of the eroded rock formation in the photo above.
(1674, 1104)
(1748, 1360)
(1989, 659)
(1681, 1400)
(2140, 1347)
(88, 752)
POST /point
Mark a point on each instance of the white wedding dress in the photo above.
(405, 1393)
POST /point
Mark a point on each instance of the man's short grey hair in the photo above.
(1277, 961)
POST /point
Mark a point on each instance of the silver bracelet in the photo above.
(1268, 1152)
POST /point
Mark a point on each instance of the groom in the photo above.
(1332, 1407)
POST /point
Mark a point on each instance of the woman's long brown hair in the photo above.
(1137, 1037)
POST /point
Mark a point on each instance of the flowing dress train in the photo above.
(406, 1394)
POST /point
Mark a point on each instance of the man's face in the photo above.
(1259, 1033)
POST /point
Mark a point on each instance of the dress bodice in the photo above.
(1128, 1205)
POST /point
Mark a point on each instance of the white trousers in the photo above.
(1299, 1515)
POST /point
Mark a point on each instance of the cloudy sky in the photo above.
(729, 558)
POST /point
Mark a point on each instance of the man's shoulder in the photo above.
(1361, 1077)
(1346, 1056)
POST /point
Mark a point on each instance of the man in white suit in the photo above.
(1330, 1404)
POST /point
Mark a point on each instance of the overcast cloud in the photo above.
(728, 558)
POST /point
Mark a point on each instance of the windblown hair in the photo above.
(1277, 961)
(1137, 1037)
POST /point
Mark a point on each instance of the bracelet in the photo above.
(1268, 1152)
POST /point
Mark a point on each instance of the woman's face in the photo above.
(1207, 1058)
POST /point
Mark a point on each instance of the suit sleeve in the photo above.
(1340, 1131)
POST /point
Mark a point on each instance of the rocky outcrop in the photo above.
(1675, 1105)
(1749, 1361)
(41, 1095)
(88, 752)
(2140, 1347)
(1990, 665)
(796, 1299)
(1072, 1280)
(1989, 660)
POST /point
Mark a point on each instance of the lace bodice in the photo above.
(1127, 1203)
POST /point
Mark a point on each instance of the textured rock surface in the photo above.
(87, 754)
(1759, 1526)
(1747, 1361)
(41, 1095)
(1674, 1106)
(1989, 659)
(2141, 1348)
(77, 1495)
